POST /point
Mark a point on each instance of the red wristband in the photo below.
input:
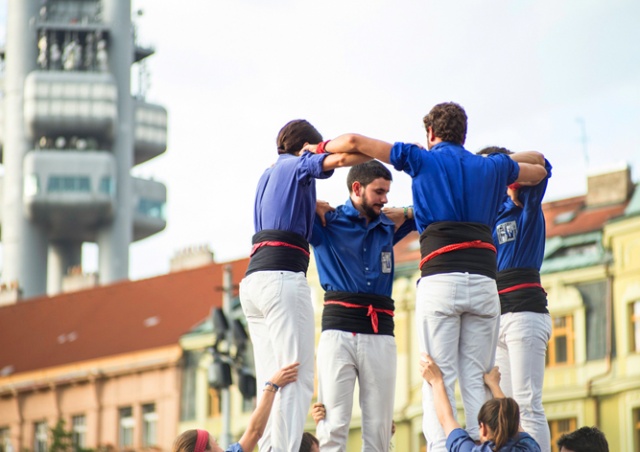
(515, 186)
(320, 149)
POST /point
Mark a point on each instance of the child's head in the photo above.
(499, 421)
(195, 440)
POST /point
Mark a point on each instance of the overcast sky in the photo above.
(531, 74)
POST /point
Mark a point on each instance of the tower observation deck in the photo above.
(70, 132)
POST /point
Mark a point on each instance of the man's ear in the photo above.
(356, 188)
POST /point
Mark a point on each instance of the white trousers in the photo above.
(343, 357)
(278, 308)
(522, 345)
(457, 318)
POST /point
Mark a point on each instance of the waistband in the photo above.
(358, 313)
(520, 290)
(456, 246)
(278, 250)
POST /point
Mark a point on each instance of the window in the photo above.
(149, 425)
(561, 342)
(107, 186)
(153, 209)
(635, 326)
(188, 397)
(5, 439)
(79, 432)
(559, 427)
(594, 297)
(40, 437)
(57, 184)
(125, 434)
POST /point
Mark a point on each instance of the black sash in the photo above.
(471, 260)
(527, 299)
(269, 257)
(354, 319)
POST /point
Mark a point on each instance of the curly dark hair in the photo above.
(585, 439)
(448, 121)
(295, 134)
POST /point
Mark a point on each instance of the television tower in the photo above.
(70, 132)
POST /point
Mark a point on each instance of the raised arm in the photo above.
(492, 380)
(433, 375)
(260, 416)
(531, 174)
(333, 161)
(354, 143)
(533, 157)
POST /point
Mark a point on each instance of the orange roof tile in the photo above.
(109, 320)
(586, 219)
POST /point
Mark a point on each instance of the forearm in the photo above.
(496, 391)
(444, 410)
(532, 157)
(258, 421)
(353, 143)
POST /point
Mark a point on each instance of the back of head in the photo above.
(494, 150)
(585, 439)
(365, 173)
(502, 416)
(186, 442)
(448, 122)
(293, 136)
(308, 441)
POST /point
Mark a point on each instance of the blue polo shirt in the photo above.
(235, 447)
(353, 256)
(460, 441)
(452, 184)
(286, 194)
(519, 233)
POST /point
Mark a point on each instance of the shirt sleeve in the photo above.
(310, 166)
(507, 164)
(235, 447)
(404, 230)
(531, 196)
(459, 441)
(407, 157)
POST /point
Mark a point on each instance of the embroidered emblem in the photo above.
(506, 232)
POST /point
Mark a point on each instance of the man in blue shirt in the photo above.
(275, 296)
(456, 196)
(525, 324)
(354, 256)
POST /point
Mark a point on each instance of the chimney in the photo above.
(76, 280)
(191, 257)
(10, 293)
(609, 186)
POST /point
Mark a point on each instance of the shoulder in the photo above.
(460, 441)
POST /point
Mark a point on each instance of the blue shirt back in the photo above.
(286, 194)
(519, 233)
(452, 184)
(353, 256)
(460, 441)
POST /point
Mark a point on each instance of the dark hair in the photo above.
(295, 134)
(502, 416)
(585, 439)
(308, 440)
(365, 173)
(494, 150)
(448, 122)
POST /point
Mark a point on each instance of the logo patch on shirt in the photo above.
(385, 260)
(506, 232)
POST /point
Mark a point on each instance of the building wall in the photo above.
(96, 389)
